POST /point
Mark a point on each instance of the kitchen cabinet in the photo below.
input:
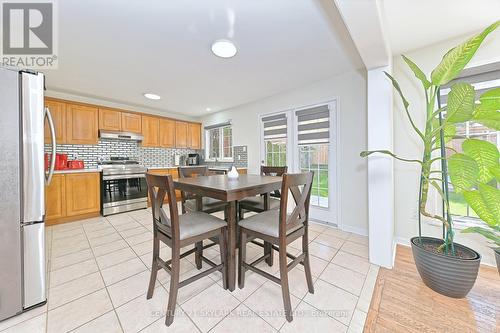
(58, 112)
(82, 193)
(109, 120)
(82, 124)
(194, 135)
(131, 122)
(167, 133)
(150, 131)
(72, 196)
(181, 134)
(55, 198)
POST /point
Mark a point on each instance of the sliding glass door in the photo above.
(304, 139)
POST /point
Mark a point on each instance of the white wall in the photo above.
(406, 143)
(350, 89)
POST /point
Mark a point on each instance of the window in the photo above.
(482, 78)
(219, 142)
(313, 135)
(275, 131)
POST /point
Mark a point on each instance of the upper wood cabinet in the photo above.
(194, 135)
(167, 133)
(181, 134)
(58, 111)
(82, 193)
(131, 122)
(82, 123)
(150, 131)
(109, 120)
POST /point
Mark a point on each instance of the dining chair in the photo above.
(209, 205)
(279, 228)
(256, 203)
(178, 231)
(189, 202)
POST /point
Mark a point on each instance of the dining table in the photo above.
(229, 190)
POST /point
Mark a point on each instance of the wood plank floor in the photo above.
(402, 303)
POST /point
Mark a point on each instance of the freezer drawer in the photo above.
(34, 264)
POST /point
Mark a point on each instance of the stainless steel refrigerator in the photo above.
(22, 181)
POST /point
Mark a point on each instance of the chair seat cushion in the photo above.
(208, 204)
(194, 223)
(266, 223)
(258, 202)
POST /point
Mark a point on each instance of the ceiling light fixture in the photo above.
(224, 48)
(152, 96)
(208, 109)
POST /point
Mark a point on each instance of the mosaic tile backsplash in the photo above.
(150, 157)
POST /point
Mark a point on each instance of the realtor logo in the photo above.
(28, 34)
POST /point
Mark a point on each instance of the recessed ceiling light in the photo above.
(209, 109)
(152, 96)
(224, 48)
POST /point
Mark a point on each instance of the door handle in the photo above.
(48, 178)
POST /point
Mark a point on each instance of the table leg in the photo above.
(268, 248)
(231, 244)
(199, 245)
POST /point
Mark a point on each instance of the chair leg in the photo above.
(268, 249)
(284, 284)
(198, 254)
(174, 284)
(154, 266)
(223, 255)
(307, 263)
(241, 213)
(242, 253)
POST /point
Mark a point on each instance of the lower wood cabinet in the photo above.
(72, 196)
(55, 198)
(169, 171)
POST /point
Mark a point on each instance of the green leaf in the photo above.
(418, 72)
(495, 171)
(398, 89)
(485, 154)
(487, 117)
(488, 233)
(463, 171)
(490, 100)
(449, 132)
(486, 204)
(458, 57)
(460, 102)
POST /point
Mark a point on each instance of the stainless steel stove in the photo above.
(123, 186)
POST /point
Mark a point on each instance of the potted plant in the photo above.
(445, 266)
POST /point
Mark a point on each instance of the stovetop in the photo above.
(121, 166)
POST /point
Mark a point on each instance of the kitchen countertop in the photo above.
(76, 171)
(209, 167)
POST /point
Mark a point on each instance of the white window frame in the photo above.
(221, 143)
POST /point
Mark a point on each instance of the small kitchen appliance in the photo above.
(193, 159)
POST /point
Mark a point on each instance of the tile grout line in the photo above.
(104, 282)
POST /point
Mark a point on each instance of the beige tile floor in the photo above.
(98, 273)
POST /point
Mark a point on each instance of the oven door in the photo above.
(121, 193)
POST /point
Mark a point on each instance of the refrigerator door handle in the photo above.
(48, 178)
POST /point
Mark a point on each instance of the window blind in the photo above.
(275, 126)
(224, 124)
(483, 78)
(313, 125)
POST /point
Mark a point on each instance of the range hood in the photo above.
(120, 135)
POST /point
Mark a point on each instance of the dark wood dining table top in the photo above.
(225, 189)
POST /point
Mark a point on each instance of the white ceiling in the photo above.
(116, 50)
(412, 24)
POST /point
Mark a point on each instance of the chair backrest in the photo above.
(158, 187)
(273, 171)
(190, 172)
(299, 185)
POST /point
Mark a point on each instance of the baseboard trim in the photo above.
(355, 230)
